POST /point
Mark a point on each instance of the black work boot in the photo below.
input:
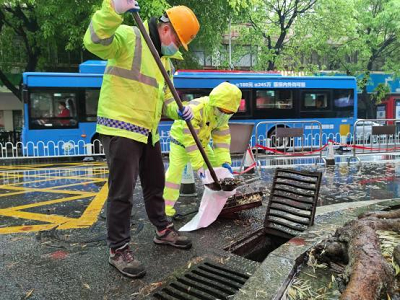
(122, 259)
(170, 236)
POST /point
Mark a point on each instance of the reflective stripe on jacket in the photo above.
(133, 94)
(205, 125)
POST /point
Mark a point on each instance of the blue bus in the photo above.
(331, 100)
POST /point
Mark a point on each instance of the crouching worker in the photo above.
(211, 116)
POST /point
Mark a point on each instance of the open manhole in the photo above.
(291, 210)
(206, 281)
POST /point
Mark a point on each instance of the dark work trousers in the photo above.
(126, 159)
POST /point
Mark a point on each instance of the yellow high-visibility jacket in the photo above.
(133, 95)
(205, 125)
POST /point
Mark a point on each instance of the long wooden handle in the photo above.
(154, 52)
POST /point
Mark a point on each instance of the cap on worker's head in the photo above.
(184, 22)
(226, 96)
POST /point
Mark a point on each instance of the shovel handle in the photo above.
(154, 52)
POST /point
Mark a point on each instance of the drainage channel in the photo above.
(291, 209)
(206, 281)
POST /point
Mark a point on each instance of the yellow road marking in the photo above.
(92, 179)
(26, 228)
(44, 203)
(12, 194)
(54, 219)
(75, 184)
(45, 174)
(89, 217)
(47, 190)
(50, 177)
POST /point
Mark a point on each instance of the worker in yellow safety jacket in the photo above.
(132, 99)
(211, 116)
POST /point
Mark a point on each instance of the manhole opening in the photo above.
(256, 246)
(290, 211)
(206, 281)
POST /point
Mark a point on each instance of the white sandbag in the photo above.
(211, 204)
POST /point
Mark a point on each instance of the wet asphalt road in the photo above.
(53, 247)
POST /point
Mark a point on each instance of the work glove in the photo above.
(122, 6)
(186, 114)
(227, 166)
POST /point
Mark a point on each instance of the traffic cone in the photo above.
(249, 161)
(330, 156)
(188, 187)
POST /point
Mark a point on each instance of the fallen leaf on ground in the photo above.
(28, 294)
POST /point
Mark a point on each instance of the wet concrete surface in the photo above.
(50, 263)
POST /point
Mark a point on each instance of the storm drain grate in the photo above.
(206, 281)
(292, 203)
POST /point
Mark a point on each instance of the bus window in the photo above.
(52, 110)
(244, 103)
(90, 107)
(187, 95)
(343, 103)
(315, 101)
(274, 99)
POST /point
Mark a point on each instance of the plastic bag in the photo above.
(211, 204)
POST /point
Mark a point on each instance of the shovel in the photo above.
(216, 185)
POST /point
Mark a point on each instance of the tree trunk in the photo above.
(367, 275)
(369, 107)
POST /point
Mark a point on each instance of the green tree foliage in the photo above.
(270, 25)
(323, 37)
(355, 37)
(31, 31)
(380, 93)
(214, 21)
(38, 27)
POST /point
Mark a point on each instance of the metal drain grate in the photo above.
(206, 281)
(292, 203)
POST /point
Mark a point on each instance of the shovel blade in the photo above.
(214, 186)
(226, 185)
(228, 188)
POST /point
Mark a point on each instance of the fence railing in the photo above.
(10, 136)
(290, 139)
(50, 149)
(375, 136)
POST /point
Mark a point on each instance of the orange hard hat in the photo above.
(184, 22)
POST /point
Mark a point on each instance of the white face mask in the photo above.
(168, 48)
(222, 118)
